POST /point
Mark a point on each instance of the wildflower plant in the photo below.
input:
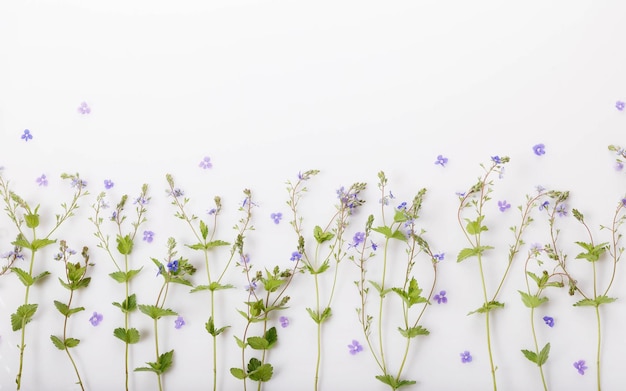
(123, 273)
(328, 248)
(173, 270)
(206, 244)
(399, 232)
(27, 221)
(75, 278)
(474, 203)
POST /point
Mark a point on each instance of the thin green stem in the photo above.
(598, 350)
(380, 309)
(319, 332)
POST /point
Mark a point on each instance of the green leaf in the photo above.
(163, 363)
(123, 277)
(62, 307)
(21, 241)
(272, 284)
(40, 276)
(204, 230)
(124, 244)
(259, 372)
(57, 342)
(72, 342)
(532, 301)
(487, 307)
(128, 305)
(271, 336)
(393, 383)
(321, 236)
(400, 217)
(240, 343)
(210, 328)
(543, 355)
(383, 230)
(593, 252)
(24, 277)
(238, 373)
(595, 302)
(156, 312)
(471, 252)
(532, 356)
(129, 336)
(319, 317)
(40, 243)
(216, 243)
(258, 343)
(32, 220)
(22, 316)
(413, 332)
(379, 288)
(604, 300)
(475, 227)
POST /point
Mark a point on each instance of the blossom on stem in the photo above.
(295, 256)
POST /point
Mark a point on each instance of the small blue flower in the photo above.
(580, 366)
(172, 266)
(205, 163)
(245, 259)
(148, 236)
(496, 159)
(284, 321)
(441, 298)
(177, 193)
(211, 211)
(27, 136)
(441, 160)
(544, 205)
(539, 149)
(503, 206)
(42, 180)
(439, 256)
(549, 320)
(251, 287)
(295, 256)
(276, 217)
(561, 210)
(84, 108)
(179, 322)
(374, 246)
(620, 105)
(355, 347)
(95, 319)
(402, 206)
(619, 166)
(358, 238)
(466, 357)
(78, 183)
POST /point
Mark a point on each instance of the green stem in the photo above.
(319, 333)
(598, 347)
(126, 324)
(156, 347)
(380, 310)
(18, 379)
(532, 326)
(487, 325)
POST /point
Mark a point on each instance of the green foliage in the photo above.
(124, 244)
(130, 336)
(65, 310)
(321, 236)
(487, 307)
(595, 302)
(208, 245)
(128, 305)
(319, 317)
(23, 315)
(214, 286)
(532, 301)
(412, 295)
(26, 278)
(268, 340)
(472, 252)
(540, 358)
(393, 383)
(123, 277)
(163, 363)
(391, 234)
(593, 253)
(156, 312)
(475, 227)
(258, 371)
(413, 332)
(63, 344)
(210, 328)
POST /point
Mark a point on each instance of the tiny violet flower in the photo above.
(295, 256)
(172, 266)
(355, 347)
(245, 259)
(402, 206)
(496, 159)
(540, 189)
(623, 201)
(374, 246)
(503, 205)
(108, 184)
(441, 160)
(276, 217)
(358, 238)
(539, 149)
(95, 319)
(148, 236)
(205, 163)
(549, 320)
(544, 205)
(619, 166)
(284, 321)
(466, 357)
(177, 193)
(179, 322)
(251, 287)
(141, 201)
(42, 180)
(27, 136)
(561, 210)
(536, 248)
(441, 298)
(84, 108)
(620, 105)
(580, 366)
(78, 183)
(439, 256)
(211, 212)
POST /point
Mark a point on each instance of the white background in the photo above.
(268, 89)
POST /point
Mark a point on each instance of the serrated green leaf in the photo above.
(204, 230)
(128, 305)
(62, 307)
(71, 342)
(475, 227)
(393, 383)
(379, 289)
(24, 277)
(532, 356)
(156, 312)
(216, 243)
(238, 373)
(604, 300)
(40, 276)
(532, 301)
(272, 284)
(472, 252)
(57, 342)
(262, 374)
(383, 230)
(413, 332)
(585, 303)
(321, 236)
(210, 328)
(124, 244)
(487, 307)
(240, 343)
(258, 343)
(123, 277)
(22, 316)
(399, 235)
(543, 355)
(130, 336)
(271, 336)
(32, 219)
(41, 243)
(253, 364)
(400, 216)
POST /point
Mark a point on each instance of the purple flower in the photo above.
(374, 246)
(95, 319)
(250, 287)
(439, 256)
(276, 217)
(619, 166)
(623, 201)
(211, 211)
(78, 183)
(503, 205)
(496, 159)
(544, 205)
(84, 108)
(295, 256)
(536, 248)
(441, 160)
(549, 320)
(561, 210)
(245, 259)
(402, 206)
(540, 189)
(358, 238)
(284, 321)
(177, 193)
(172, 266)
(148, 236)
(580, 366)
(42, 180)
(108, 184)
(27, 136)
(179, 322)
(441, 298)
(205, 163)
(620, 105)
(355, 347)
(466, 357)
(539, 149)
(141, 200)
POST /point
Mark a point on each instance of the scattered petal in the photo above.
(276, 217)
(441, 298)
(620, 105)
(108, 184)
(84, 108)
(148, 236)
(441, 160)
(549, 320)
(27, 136)
(503, 205)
